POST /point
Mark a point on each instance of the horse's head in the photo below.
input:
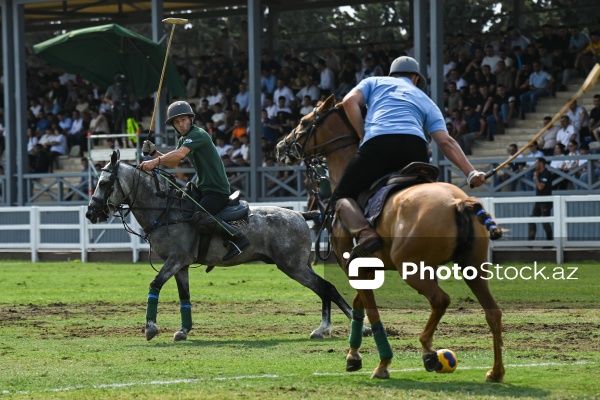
(102, 203)
(317, 134)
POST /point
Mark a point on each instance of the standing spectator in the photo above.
(548, 139)
(534, 152)
(118, 95)
(566, 132)
(224, 44)
(540, 83)
(542, 178)
(580, 120)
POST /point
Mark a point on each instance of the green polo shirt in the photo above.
(206, 161)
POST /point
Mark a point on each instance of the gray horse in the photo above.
(277, 236)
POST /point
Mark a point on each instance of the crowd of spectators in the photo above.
(489, 81)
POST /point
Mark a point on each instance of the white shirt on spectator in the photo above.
(285, 92)
(564, 134)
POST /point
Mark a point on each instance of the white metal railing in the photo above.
(90, 237)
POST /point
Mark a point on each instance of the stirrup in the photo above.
(236, 246)
(366, 249)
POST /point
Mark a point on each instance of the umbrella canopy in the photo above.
(100, 52)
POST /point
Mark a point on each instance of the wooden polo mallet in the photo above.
(174, 22)
(589, 83)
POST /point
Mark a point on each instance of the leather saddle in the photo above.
(235, 209)
(413, 174)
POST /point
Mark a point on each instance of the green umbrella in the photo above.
(98, 53)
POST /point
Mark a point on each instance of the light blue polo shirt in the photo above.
(396, 106)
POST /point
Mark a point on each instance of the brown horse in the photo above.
(432, 223)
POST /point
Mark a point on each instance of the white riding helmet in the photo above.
(408, 65)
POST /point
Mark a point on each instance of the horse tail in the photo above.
(471, 206)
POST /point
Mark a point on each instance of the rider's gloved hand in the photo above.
(148, 148)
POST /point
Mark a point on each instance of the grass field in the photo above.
(72, 330)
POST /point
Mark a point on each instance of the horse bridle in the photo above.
(297, 149)
(101, 205)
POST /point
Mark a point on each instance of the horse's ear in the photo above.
(114, 157)
(329, 102)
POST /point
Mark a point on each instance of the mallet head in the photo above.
(176, 21)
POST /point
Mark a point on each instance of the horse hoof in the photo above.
(353, 365)
(180, 335)
(151, 331)
(320, 333)
(490, 377)
(380, 373)
(431, 362)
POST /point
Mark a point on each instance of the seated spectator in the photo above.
(237, 154)
(504, 77)
(307, 106)
(588, 57)
(237, 130)
(204, 113)
(566, 132)
(559, 164)
(218, 118)
(594, 123)
(57, 146)
(591, 168)
(309, 89)
(327, 78)
(270, 129)
(222, 147)
(476, 129)
(39, 162)
(514, 166)
(285, 92)
(504, 108)
(455, 100)
(346, 79)
(580, 120)
(548, 139)
(540, 83)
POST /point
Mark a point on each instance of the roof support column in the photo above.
(158, 31)
(254, 74)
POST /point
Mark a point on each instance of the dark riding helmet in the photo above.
(177, 109)
(406, 65)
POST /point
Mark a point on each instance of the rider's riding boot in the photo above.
(354, 220)
(207, 224)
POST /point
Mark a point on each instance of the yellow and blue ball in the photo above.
(447, 361)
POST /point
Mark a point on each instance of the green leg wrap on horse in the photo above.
(356, 330)
(152, 306)
(185, 307)
(382, 342)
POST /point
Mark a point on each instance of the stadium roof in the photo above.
(72, 14)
